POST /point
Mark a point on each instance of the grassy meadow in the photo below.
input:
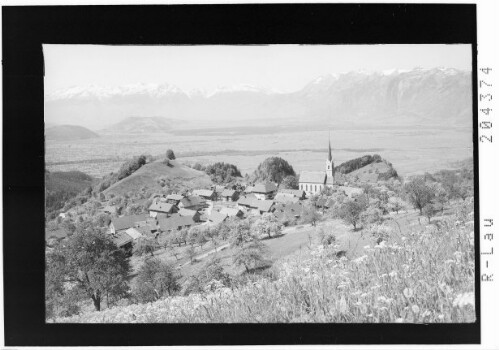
(423, 272)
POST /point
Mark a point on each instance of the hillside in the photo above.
(365, 169)
(138, 125)
(61, 186)
(429, 97)
(147, 176)
(69, 132)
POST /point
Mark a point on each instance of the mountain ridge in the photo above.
(434, 96)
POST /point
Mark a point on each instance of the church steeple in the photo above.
(329, 161)
(330, 157)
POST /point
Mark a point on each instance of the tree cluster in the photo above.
(273, 169)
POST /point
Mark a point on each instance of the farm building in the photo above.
(194, 214)
(255, 205)
(216, 218)
(175, 223)
(124, 241)
(205, 194)
(228, 195)
(125, 222)
(265, 190)
(192, 202)
(174, 198)
(163, 208)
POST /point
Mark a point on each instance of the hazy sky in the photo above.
(281, 67)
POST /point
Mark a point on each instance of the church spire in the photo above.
(330, 157)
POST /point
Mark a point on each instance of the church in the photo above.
(313, 182)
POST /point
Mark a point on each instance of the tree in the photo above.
(291, 182)
(273, 169)
(155, 279)
(212, 272)
(429, 210)
(93, 264)
(222, 173)
(191, 252)
(170, 155)
(240, 233)
(268, 225)
(351, 210)
(251, 255)
(396, 204)
(419, 193)
(309, 215)
(145, 245)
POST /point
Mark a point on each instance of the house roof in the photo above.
(203, 193)
(295, 207)
(228, 193)
(265, 205)
(216, 217)
(175, 197)
(248, 189)
(285, 198)
(289, 191)
(192, 201)
(266, 187)
(174, 222)
(161, 207)
(187, 212)
(147, 229)
(246, 201)
(128, 221)
(122, 238)
(133, 233)
(230, 211)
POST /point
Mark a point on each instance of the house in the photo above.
(300, 194)
(229, 195)
(125, 222)
(148, 230)
(124, 241)
(265, 190)
(192, 202)
(174, 198)
(285, 198)
(313, 182)
(255, 205)
(161, 207)
(232, 212)
(175, 223)
(216, 218)
(194, 214)
(209, 195)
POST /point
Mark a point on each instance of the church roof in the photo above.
(318, 177)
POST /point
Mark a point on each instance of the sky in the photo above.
(285, 68)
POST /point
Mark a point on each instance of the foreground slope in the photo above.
(149, 174)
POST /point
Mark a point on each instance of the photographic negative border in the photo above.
(26, 28)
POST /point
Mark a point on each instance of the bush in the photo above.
(155, 279)
(170, 155)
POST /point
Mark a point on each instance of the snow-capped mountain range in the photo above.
(393, 97)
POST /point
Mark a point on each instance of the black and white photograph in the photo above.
(259, 184)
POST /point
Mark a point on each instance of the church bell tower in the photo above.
(329, 163)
